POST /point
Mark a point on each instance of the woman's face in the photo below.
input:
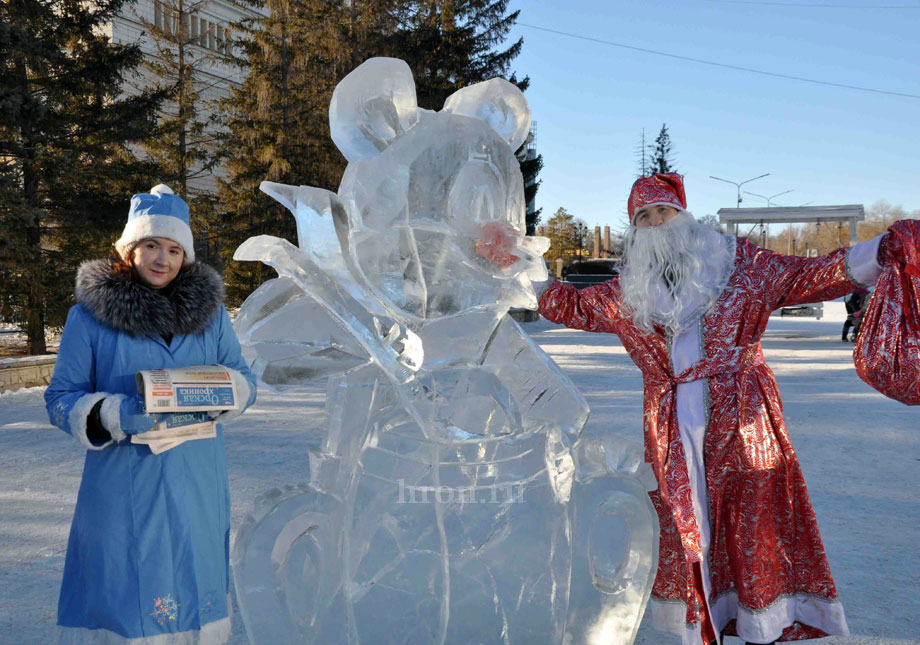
(157, 260)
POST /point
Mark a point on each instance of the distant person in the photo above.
(148, 554)
(740, 552)
(859, 315)
(855, 304)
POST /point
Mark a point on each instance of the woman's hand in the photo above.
(124, 415)
(132, 418)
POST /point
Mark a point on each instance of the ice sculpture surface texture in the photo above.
(452, 500)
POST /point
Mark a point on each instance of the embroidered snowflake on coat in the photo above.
(165, 609)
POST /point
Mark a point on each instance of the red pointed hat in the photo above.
(663, 188)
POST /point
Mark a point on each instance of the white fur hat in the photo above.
(159, 213)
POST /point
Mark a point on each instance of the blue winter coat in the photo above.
(148, 552)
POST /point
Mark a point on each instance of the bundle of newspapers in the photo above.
(193, 396)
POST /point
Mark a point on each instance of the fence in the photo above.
(28, 371)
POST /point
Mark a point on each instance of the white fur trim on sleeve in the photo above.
(243, 391)
(144, 226)
(862, 262)
(79, 413)
(111, 416)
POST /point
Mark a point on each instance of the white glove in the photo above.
(243, 392)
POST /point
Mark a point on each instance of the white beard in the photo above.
(696, 260)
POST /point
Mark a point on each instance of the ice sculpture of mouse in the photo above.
(440, 504)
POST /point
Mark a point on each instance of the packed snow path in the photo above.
(860, 453)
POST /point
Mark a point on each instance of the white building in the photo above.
(209, 25)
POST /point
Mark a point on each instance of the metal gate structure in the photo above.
(851, 214)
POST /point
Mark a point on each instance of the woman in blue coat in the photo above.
(148, 554)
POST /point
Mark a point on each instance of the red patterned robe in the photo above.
(731, 497)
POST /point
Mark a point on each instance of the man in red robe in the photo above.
(740, 552)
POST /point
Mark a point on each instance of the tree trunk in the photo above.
(35, 309)
(183, 122)
(35, 302)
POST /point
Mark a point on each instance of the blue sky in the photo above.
(829, 145)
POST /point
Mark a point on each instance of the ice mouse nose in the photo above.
(496, 243)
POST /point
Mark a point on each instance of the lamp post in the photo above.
(791, 241)
(770, 198)
(737, 185)
(580, 229)
(765, 232)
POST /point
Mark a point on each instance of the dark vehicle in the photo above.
(815, 309)
(586, 273)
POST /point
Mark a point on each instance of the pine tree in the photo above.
(277, 125)
(531, 164)
(660, 153)
(66, 175)
(642, 157)
(183, 146)
(450, 44)
(367, 31)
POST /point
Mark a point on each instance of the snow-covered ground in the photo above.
(13, 340)
(860, 453)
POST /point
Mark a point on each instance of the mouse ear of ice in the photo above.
(498, 103)
(371, 106)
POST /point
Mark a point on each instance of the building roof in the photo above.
(787, 214)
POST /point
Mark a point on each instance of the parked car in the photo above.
(815, 309)
(585, 273)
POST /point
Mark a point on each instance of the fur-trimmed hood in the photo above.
(185, 306)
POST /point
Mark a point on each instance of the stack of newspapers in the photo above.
(194, 396)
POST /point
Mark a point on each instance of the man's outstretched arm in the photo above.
(592, 309)
(792, 280)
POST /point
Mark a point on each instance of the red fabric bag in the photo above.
(887, 351)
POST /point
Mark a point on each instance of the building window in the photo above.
(201, 31)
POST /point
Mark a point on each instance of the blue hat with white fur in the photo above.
(159, 213)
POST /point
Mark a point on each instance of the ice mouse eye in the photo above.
(477, 193)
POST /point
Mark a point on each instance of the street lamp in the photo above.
(770, 198)
(580, 229)
(765, 232)
(736, 184)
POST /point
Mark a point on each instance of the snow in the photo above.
(859, 450)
